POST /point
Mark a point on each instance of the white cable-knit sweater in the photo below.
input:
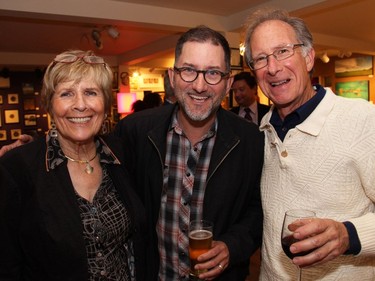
(326, 164)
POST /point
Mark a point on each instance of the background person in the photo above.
(186, 158)
(152, 100)
(67, 209)
(245, 90)
(319, 155)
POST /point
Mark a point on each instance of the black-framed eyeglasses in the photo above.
(281, 53)
(211, 76)
(64, 58)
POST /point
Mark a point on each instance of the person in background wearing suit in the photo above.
(245, 90)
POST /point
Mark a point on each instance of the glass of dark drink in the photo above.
(200, 239)
(287, 238)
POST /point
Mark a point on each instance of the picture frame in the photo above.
(3, 135)
(353, 89)
(13, 99)
(29, 104)
(27, 88)
(115, 80)
(15, 134)
(29, 119)
(236, 60)
(11, 116)
(357, 66)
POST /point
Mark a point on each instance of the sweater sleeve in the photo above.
(365, 226)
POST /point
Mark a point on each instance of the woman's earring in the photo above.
(53, 130)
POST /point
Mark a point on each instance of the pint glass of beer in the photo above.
(200, 239)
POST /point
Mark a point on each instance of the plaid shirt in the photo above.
(185, 174)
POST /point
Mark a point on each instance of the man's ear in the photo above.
(171, 74)
(229, 83)
(309, 58)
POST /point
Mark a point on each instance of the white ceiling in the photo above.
(33, 31)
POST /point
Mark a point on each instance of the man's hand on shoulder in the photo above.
(23, 139)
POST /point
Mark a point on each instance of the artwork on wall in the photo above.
(359, 66)
(11, 116)
(15, 134)
(29, 104)
(30, 119)
(12, 98)
(27, 88)
(235, 59)
(3, 135)
(353, 89)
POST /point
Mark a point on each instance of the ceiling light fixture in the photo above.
(324, 58)
(343, 54)
(242, 49)
(96, 35)
(112, 31)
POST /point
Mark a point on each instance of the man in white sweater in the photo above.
(319, 155)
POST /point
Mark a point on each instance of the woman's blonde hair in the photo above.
(75, 65)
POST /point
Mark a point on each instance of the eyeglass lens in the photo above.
(74, 58)
(212, 77)
(279, 54)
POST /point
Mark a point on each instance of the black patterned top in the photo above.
(106, 222)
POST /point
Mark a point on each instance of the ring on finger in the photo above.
(220, 266)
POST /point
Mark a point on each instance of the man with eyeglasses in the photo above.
(319, 155)
(195, 160)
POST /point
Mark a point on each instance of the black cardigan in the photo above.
(232, 196)
(40, 225)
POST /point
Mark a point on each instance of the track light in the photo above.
(324, 58)
(112, 31)
(96, 36)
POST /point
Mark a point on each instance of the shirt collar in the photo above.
(55, 155)
(298, 116)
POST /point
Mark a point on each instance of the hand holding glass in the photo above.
(287, 238)
(200, 240)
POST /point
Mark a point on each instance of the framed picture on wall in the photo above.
(30, 119)
(359, 66)
(353, 89)
(15, 134)
(27, 88)
(12, 98)
(11, 116)
(29, 104)
(3, 135)
(235, 59)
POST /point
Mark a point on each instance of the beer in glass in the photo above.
(200, 239)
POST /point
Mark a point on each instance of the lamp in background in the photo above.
(124, 103)
(112, 31)
(242, 49)
(97, 37)
(324, 58)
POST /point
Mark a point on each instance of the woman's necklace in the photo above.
(89, 169)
